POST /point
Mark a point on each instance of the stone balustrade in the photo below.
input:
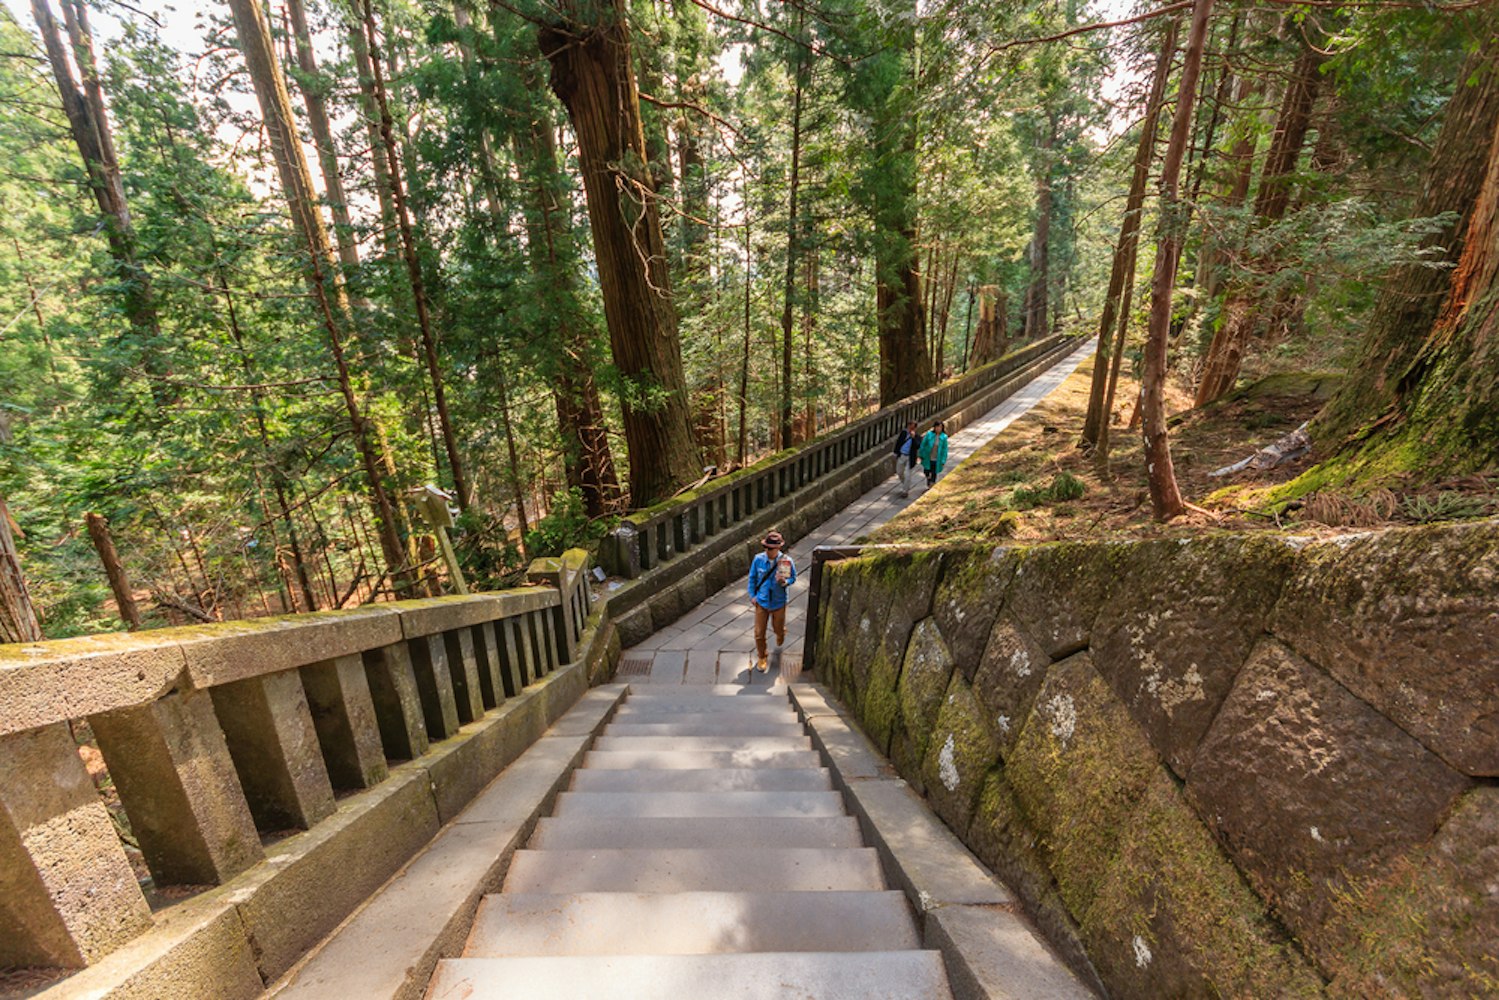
(653, 537)
(222, 738)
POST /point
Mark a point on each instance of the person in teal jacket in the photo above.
(933, 452)
(771, 572)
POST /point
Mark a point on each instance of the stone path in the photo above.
(715, 642)
(700, 851)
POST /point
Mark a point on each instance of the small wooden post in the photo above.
(98, 532)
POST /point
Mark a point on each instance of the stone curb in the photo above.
(991, 951)
(390, 946)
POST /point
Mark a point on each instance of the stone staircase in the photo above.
(701, 851)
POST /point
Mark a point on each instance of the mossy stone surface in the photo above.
(1001, 837)
(925, 672)
(1010, 672)
(1311, 789)
(879, 700)
(1058, 591)
(1078, 770)
(959, 755)
(1175, 918)
(1429, 925)
(1179, 627)
(1403, 619)
(968, 597)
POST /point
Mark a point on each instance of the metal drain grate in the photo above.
(634, 666)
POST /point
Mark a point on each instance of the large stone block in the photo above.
(1010, 672)
(1078, 770)
(1179, 627)
(1175, 918)
(230, 651)
(348, 729)
(1428, 925)
(1002, 838)
(275, 749)
(67, 894)
(1408, 620)
(397, 701)
(959, 755)
(1058, 591)
(968, 598)
(46, 682)
(172, 768)
(1309, 787)
(924, 676)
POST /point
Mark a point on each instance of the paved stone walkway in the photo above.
(715, 642)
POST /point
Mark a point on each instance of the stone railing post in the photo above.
(67, 893)
(268, 727)
(171, 765)
(348, 728)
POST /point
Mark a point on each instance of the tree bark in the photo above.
(554, 261)
(310, 82)
(593, 75)
(1122, 273)
(1240, 312)
(119, 583)
(1165, 495)
(88, 123)
(793, 237)
(18, 621)
(414, 275)
(1037, 293)
(1428, 319)
(328, 295)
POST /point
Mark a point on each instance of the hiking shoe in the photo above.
(761, 665)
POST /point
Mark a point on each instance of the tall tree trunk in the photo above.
(1127, 249)
(1165, 496)
(593, 75)
(18, 621)
(310, 82)
(1038, 291)
(88, 123)
(793, 236)
(114, 570)
(369, 113)
(555, 262)
(1240, 313)
(1401, 331)
(414, 275)
(328, 295)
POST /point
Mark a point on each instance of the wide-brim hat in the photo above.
(773, 540)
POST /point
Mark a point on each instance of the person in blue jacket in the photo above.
(905, 456)
(933, 452)
(771, 572)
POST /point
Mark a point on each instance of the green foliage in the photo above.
(565, 527)
(1064, 486)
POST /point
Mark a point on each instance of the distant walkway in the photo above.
(715, 642)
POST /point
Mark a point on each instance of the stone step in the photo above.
(656, 692)
(728, 726)
(868, 975)
(704, 710)
(737, 869)
(673, 832)
(699, 804)
(737, 779)
(699, 759)
(703, 743)
(690, 923)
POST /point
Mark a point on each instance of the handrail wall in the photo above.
(219, 736)
(653, 537)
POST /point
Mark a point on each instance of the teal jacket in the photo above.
(934, 449)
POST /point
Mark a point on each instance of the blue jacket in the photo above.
(764, 588)
(934, 449)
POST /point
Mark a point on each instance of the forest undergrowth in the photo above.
(1033, 484)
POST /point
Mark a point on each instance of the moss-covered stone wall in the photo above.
(1239, 765)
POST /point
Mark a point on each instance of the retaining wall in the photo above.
(1240, 765)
